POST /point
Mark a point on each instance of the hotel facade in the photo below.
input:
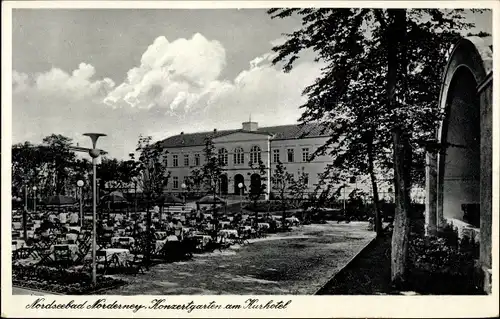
(293, 145)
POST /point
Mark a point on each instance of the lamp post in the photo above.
(80, 184)
(26, 196)
(240, 186)
(184, 186)
(94, 153)
(34, 198)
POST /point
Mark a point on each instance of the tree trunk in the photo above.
(396, 73)
(402, 157)
(376, 200)
(148, 233)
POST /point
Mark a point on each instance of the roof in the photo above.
(282, 132)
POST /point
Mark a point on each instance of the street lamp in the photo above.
(80, 184)
(26, 196)
(34, 198)
(183, 186)
(134, 180)
(240, 186)
(94, 153)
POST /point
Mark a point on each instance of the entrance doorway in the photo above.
(238, 178)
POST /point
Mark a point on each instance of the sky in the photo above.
(159, 72)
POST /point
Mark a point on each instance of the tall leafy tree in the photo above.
(377, 92)
(299, 186)
(257, 187)
(281, 181)
(152, 175)
(60, 160)
(207, 177)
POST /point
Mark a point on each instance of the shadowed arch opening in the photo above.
(460, 161)
(238, 178)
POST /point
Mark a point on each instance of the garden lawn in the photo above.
(297, 262)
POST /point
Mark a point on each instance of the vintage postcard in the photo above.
(249, 159)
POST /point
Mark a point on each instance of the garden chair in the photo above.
(136, 264)
(42, 249)
(62, 255)
(83, 242)
(102, 259)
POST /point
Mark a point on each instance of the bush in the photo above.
(270, 206)
(443, 265)
(59, 280)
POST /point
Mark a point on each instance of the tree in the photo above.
(59, 159)
(152, 177)
(194, 180)
(208, 175)
(257, 189)
(377, 92)
(299, 186)
(281, 181)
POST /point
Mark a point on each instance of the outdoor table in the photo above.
(122, 239)
(231, 218)
(19, 243)
(245, 216)
(71, 236)
(225, 223)
(205, 239)
(229, 232)
(30, 233)
(121, 254)
(246, 228)
(263, 225)
(73, 248)
(160, 243)
(207, 216)
(75, 228)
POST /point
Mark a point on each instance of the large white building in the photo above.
(291, 144)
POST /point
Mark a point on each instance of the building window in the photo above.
(276, 156)
(197, 159)
(186, 159)
(306, 179)
(223, 156)
(305, 154)
(239, 156)
(290, 155)
(255, 154)
(175, 182)
(175, 160)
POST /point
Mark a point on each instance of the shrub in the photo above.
(439, 265)
(59, 280)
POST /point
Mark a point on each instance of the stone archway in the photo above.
(460, 159)
(460, 175)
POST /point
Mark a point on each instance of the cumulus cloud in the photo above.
(171, 74)
(182, 78)
(176, 87)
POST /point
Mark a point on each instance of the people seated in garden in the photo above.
(52, 217)
(178, 229)
(73, 219)
(62, 217)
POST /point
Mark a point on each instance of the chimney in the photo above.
(182, 133)
(250, 126)
(215, 130)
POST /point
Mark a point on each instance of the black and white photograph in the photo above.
(276, 150)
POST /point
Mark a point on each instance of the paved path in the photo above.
(23, 291)
(298, 262)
